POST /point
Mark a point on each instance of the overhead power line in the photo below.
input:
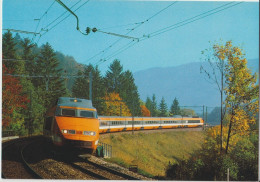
(45, 76)
(179, 24)
(17, 60)
(22, 31)
(131, 30)
(192, 19)
(39, 20)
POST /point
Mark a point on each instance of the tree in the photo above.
(153, 109)
(175, 108)
(123, 83)
(13, 98)
(35, 111)
(163, 108)
(216, 72)
(80, 87)
(187, 112)
(113, 78)
(51, 84)
(9, 50)
(148, 103)
(145, 111)
(114, 106)
(129, 93)
(98, 89)
(241, 92)
(27, 55)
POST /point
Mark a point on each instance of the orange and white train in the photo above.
(74, 123)
(115, 124)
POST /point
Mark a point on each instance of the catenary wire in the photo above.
(138, 25)
(41, 19)
(158, 33)
(193, 19)
(62, 20)
(44, 76)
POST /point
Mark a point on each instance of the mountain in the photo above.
(185, 82)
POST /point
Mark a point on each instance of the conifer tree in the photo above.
(163, 108)
(9, 51)
(35, 111)
(113, 78)
(80, 88)
(153, 110)
(129, 93)
(51, 84)
(175, 108)
(148, 103)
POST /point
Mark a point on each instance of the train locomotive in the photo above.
(72, 123)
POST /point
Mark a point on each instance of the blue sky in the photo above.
(175, 47)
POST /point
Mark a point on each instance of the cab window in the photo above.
(88, 114)
(68, 112)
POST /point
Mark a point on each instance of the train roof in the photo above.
(75, 102)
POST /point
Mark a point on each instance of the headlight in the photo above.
(64, 131)
(92, 133)
(68, 131)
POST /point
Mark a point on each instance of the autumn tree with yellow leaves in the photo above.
(113, 105)
(241, 93)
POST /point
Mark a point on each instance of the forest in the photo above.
(35, 76)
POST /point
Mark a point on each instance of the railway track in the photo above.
(97, 170)
(37, 159)
(14, 166)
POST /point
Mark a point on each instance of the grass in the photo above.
(152, 152)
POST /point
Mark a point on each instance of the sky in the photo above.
(180, 45)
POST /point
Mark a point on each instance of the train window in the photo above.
(194, 121)
(88, 114)
(68, 112)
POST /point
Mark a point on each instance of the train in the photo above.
(74, 123)
(117, 124)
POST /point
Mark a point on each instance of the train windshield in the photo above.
(76, 113)
(68, 112)
(88, 114)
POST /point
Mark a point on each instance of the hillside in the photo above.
(152, 150)
(185, 82)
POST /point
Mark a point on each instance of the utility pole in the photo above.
(228, 174)
(30, 117)
(90, 85)
(120, 109)
(203, 112)
(133, 117)
(206, 118)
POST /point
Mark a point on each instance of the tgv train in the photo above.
(114, 124)
(72, 123)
